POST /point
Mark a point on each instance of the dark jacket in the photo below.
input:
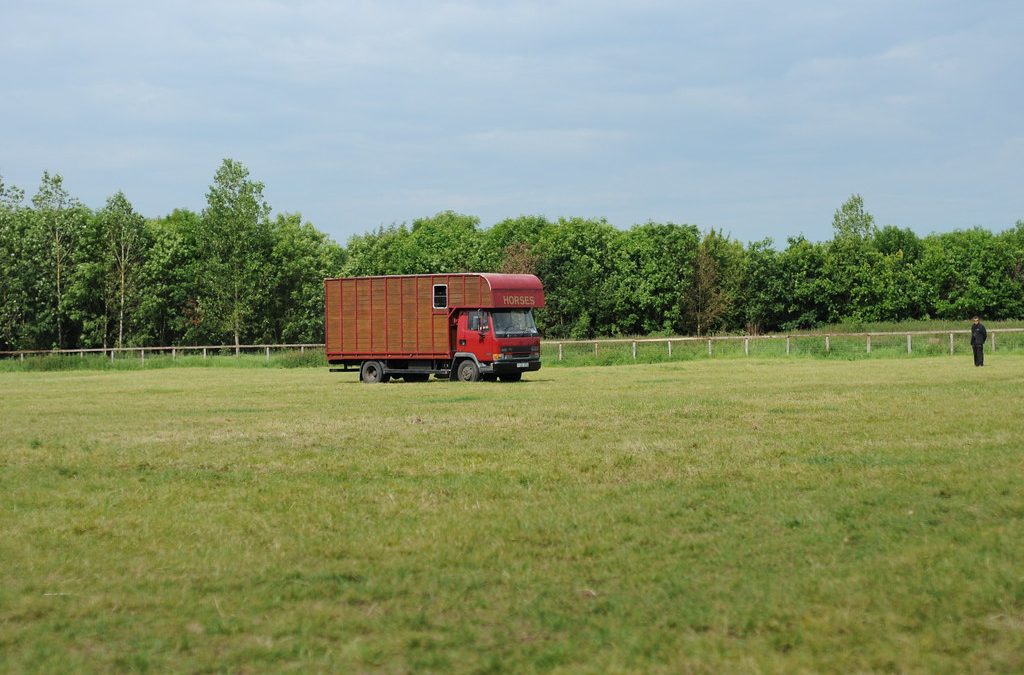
(978, 334)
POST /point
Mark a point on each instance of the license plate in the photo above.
(522, 365)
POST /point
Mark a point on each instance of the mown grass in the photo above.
(701, 516)
(226, 358)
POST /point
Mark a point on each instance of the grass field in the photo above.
(697, 516)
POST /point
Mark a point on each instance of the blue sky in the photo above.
(758, 118)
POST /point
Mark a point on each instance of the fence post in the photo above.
(746, 346)
(634, 350)
(787, 345)
(268, 354)
(909, 349)
(950, 343)
(828, 347)
(669, 342)
(22, 356)
(81, 352)
(559, 351)
(204, 352)
(709, 346)
(238, 350)
(302, 349)
(111, 354)
(142, 356)
(993, 341)
(595, 349)
(869, 343)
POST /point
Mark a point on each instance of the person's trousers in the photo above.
(979, 354)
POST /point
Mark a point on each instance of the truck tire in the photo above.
(511, 377)
(467, 371)
(372, 372)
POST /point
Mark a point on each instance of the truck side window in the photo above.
(440, 296)
(477, 321)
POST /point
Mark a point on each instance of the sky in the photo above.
(755, 118)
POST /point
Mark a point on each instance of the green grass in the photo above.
(697, 516)
(225, 358)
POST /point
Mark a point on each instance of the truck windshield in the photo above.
(513, 323)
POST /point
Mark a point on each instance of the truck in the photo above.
(466, 326)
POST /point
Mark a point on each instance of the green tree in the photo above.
(302, 257)
(382, 251)
(851, 220)
(235, 243)
(115, 249)
(802, 275)
(58, 222)
(168, 286)
(708, 300)
(15, 277)
(972, 271)
(446, 242)
(892, 240)
(508, 246)
(576, 265)
(764, 289)
(654, 270)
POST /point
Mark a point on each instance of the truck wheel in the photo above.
(372, 372)
(511, 377)
(468, 372)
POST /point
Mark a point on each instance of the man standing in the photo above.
(978, 336)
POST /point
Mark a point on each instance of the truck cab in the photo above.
(495, 343)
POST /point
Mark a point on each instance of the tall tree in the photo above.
(168, 283)
(59, 219)
(14, 289)
(302, 257)
(235, 243)
(654, 266)
(123, 234)
(576, 264)
(446, 242)
(708, 300)
(851, 220)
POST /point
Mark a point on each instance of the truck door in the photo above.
(475, 335)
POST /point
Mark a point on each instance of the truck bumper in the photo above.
(510, 366)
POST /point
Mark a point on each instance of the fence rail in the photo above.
(173, 350)
(788, 338)
(266, 349)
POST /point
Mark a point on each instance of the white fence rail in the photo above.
(174, 351)
(789, 339)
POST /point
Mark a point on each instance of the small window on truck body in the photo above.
(440, 296)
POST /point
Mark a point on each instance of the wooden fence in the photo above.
(266, 349)
(789, 340)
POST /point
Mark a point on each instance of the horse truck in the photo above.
(465, 327)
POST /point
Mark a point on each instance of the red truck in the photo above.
(458, 326)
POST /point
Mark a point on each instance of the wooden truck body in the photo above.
(462, 326)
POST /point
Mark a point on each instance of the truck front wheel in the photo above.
(372, 372)
(468, 372)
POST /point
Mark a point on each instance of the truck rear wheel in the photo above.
(468, 372)
(372, 372)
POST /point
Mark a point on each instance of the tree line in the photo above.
(72, 277)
